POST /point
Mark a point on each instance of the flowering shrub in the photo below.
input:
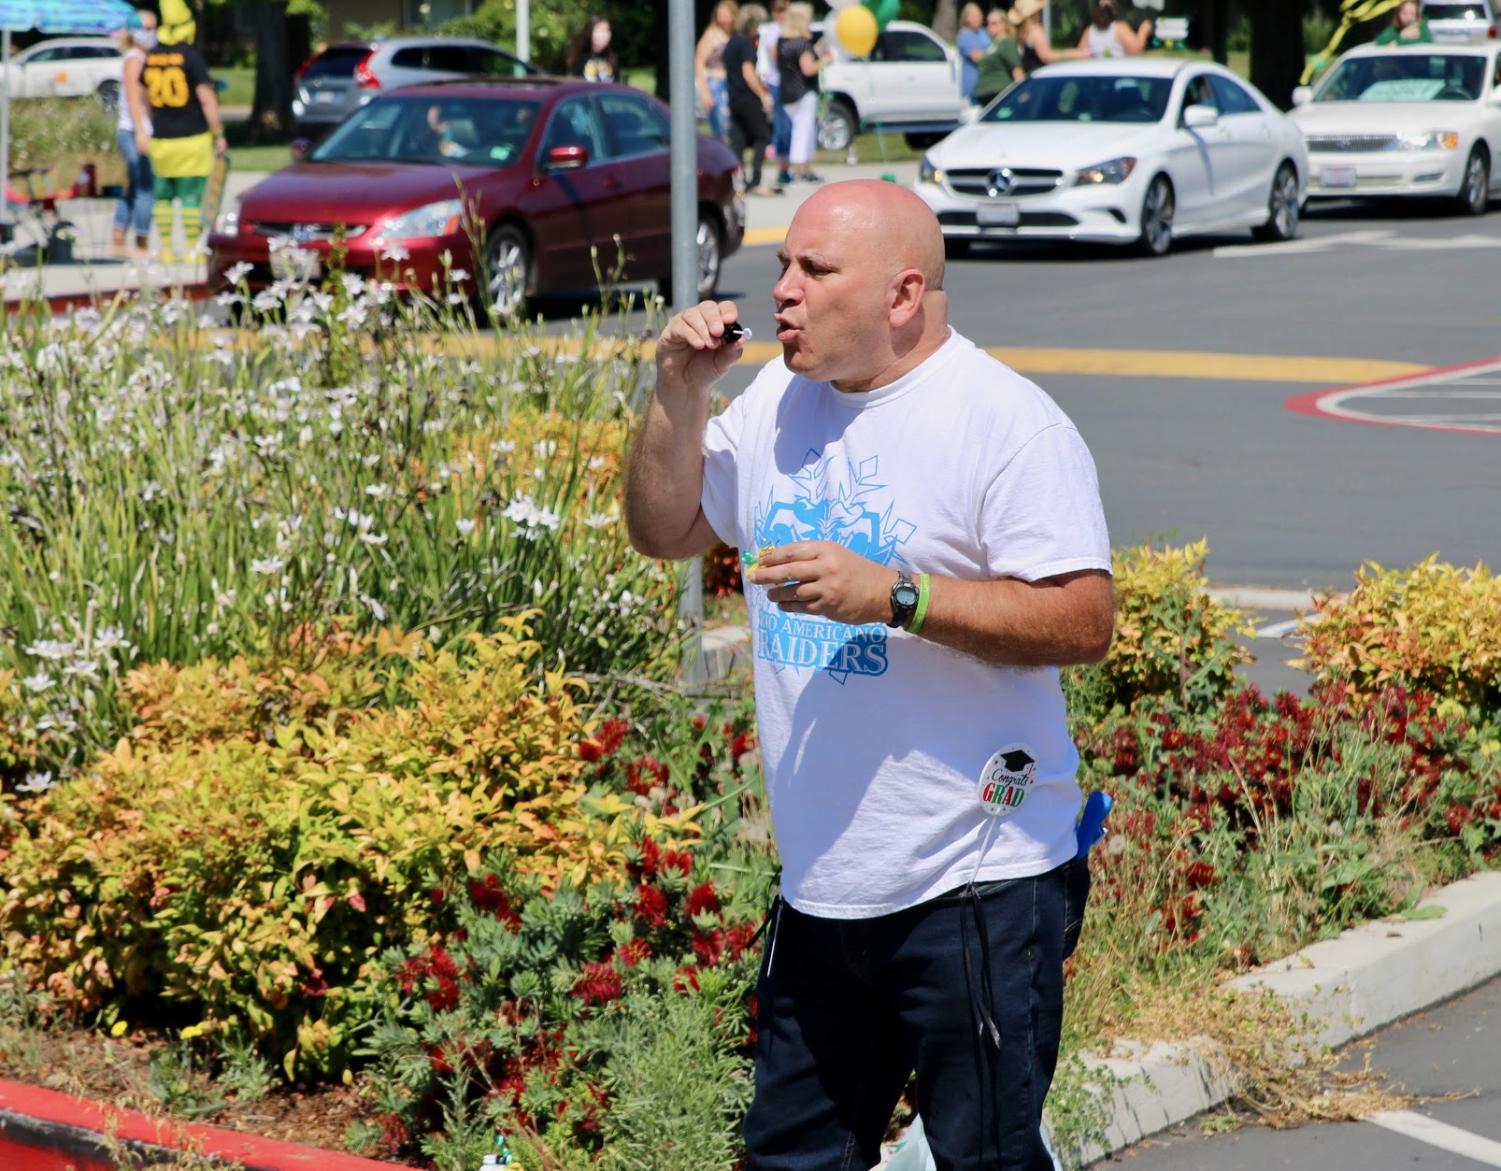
(610, 1020)
(201, 498)
(1432, 627)
(1171, 638)
(269, 827)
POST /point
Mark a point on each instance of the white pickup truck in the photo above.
(909, 83)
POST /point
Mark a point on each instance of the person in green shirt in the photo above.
(1001, 63)
(1406, 28)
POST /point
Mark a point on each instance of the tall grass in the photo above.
(171, 490)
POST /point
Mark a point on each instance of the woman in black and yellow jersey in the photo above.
(186, 130)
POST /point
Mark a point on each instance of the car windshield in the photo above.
(1456, 12)
(1405, 77)
(487, 132)
(1083, 99)
(335, 61)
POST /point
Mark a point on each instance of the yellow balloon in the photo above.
(856, 29)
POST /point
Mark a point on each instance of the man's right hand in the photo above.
(692, 354)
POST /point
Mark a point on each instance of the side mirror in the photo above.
(1302, 95)
(1201, 117)
(301, 148)
(567, 158)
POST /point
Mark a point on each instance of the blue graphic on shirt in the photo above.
(838, 501)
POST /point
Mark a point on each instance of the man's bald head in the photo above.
(888, 221)
(861, 297)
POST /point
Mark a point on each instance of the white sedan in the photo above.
(1125, 151)
(67, 67)
(1420, 120)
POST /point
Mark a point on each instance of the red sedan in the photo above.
(546, 175)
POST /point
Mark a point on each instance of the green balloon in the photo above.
(885, 11)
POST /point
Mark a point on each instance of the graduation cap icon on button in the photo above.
(1016, 760)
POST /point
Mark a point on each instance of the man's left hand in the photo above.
(821, 577)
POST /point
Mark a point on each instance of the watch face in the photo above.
(905, 594)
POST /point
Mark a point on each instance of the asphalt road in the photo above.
(1285, 499)
(1445, 1058)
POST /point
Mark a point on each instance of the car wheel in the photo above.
(1282, 207)
(838, 126)
(1475, 187)
(1157, 218)
(955, 249)
(510, 278)
(109, 94)
(710, 259)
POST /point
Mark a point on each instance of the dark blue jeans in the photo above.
(966, 989)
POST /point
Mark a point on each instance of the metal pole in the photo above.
(524, 29)
(5, 130)
(685, 260)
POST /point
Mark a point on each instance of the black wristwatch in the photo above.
(903, 600)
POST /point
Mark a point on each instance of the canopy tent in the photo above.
(60, 17)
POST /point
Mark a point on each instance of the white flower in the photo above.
(465, 526)
(36, 782)
(545, 448)
(82, 669)
(458, 276)
(378, 491)
(376, 540)
(51, 648)
(503, 446)
(596, 462)
(39, 682)
(235, 273)
(599, 520)
(395, 253)
(267, 565)
(354, 284)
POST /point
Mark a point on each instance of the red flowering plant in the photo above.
(1249, 832)
(537, 1011)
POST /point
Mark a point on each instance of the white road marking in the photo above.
(1279, 629)
(1348, 404)
(1440, 1134)
(1305, 244)
(1372, 238)
(1261, 597)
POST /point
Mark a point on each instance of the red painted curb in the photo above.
(61, 302)
(31, 1117)
(1311, 402)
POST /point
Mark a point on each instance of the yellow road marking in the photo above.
(755, 236)
(1195, 364)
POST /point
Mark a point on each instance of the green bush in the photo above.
(43, 130)
(1171, 638)
(1431, 627)
(267, 830)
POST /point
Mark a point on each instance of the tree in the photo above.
(946, 20)
(1277, 48)
(271, 110)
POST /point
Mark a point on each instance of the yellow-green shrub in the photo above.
(265, 832)
(1433, 627)
(1172, 639)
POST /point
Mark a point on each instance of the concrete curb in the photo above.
(1346, 987)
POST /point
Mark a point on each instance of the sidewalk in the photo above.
(767, 216)
(95, 272)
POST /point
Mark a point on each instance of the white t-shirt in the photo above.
(878, 744)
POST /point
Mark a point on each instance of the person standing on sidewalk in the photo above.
(708, 67)
(133, 211)
(1002, 63)
(931, 548)
(186, 131)
(750, 100)
(767, 65)
(798, 63)
(973, 41)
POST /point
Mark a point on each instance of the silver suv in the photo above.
(344, 76)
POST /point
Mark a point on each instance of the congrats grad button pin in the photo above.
(1007, 780)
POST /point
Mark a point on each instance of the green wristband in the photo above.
(924, 593)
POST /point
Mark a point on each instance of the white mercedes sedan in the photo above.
(1419, 120)
(1135, 150)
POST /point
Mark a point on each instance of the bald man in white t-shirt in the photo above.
(930, 548)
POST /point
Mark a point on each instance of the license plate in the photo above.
(297, 264)
(1338, 176)
(324, 96)
(998, 215)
